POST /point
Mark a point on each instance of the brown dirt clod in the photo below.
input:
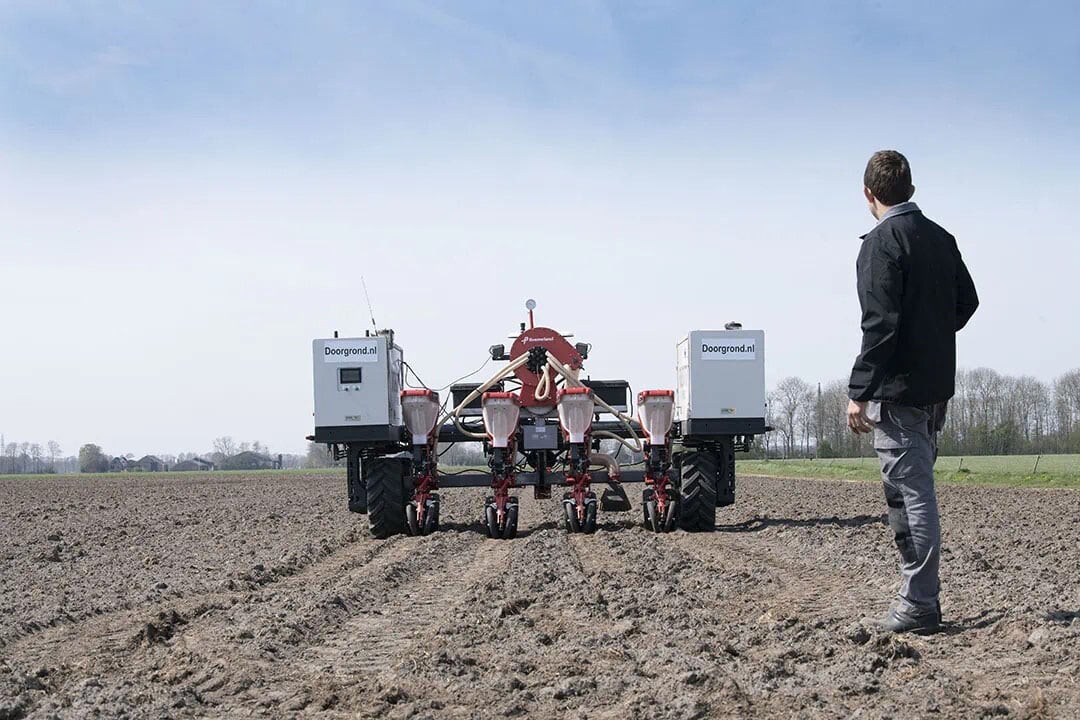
(225, 596)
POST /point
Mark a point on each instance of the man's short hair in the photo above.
(888, 176)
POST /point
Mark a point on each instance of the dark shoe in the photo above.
(900, 621)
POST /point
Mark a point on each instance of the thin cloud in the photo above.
(87, 76)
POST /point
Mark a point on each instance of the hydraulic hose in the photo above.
(542, 392)
(456, 412)
(608, 462)
(543, 388)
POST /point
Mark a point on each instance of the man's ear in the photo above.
(869, 195)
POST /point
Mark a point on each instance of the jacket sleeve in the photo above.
(881, 287)
(967, 300)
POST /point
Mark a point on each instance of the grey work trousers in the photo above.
(905, 439)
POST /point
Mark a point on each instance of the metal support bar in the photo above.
(449, 433)
(479, 478)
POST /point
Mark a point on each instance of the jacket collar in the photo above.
(900, 209)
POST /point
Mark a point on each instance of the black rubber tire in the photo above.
(386, 497)
(653, 522)
(491, 521)
(590, 518)
(697, 501)
(430, 521)
(671, 515)
(509, 531)
(410, 519)
(570, 511)
(647, 496)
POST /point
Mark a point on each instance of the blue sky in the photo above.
(212, 178)
(330, 77)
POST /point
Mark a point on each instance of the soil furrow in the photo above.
(264, 597)
(370, 643)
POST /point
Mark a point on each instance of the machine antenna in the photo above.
(367, 297)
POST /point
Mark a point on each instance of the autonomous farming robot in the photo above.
(540, 420)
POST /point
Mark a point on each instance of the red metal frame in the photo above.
(502, 486)
(660, 484)
(428, 482)
(556, 346)
(579, 482)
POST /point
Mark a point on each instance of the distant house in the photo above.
(118, 464)
(247, 461)
(193, 465)
(147, 463)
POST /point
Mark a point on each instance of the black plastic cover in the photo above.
(613, 392)
(460, 392)
(540, 437)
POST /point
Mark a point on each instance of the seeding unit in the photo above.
(541, 422)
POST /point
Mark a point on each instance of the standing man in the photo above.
(915, 293)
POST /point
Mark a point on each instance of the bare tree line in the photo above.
(26, 457)
(991, 414)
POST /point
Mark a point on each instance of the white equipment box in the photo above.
(357, 388)
(720, 386)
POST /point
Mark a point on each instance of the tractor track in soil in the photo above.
(262, 596)
(117, 630)
(390, 637)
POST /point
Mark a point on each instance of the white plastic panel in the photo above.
(720, 374)
(357, 382)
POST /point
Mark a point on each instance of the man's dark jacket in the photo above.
(915, 293)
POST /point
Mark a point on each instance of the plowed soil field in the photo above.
(228, 596)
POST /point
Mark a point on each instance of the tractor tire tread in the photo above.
(386, 497)
(697, 507)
